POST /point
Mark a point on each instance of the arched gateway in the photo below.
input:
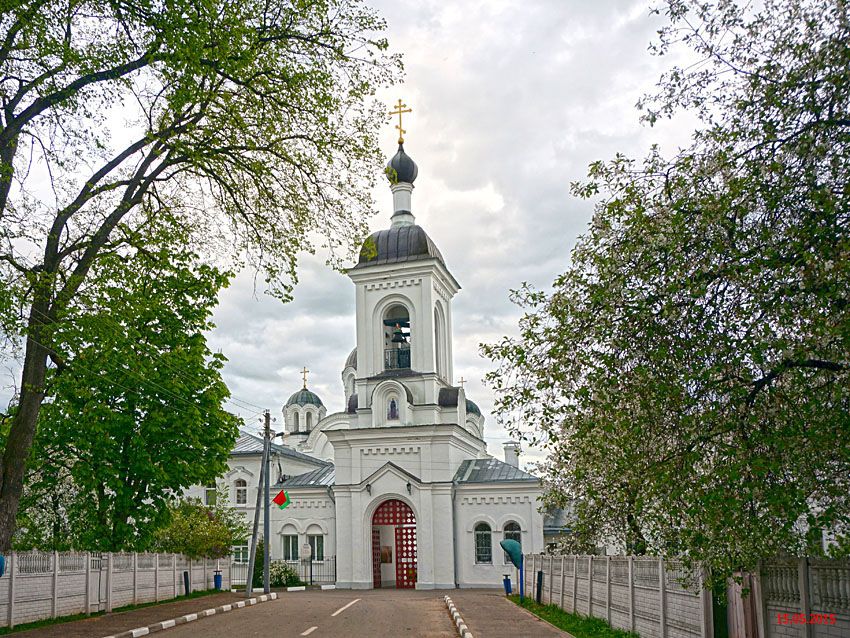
(394, 527)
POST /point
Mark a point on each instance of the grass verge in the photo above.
(63, 619)
(575, 624)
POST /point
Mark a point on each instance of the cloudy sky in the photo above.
(511, 101)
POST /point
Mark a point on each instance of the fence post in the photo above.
(88, 583)
(631, 593)
(13, 560)
(191, 586)
(608, 587)
(806, 628)
(662, 597)
(708, 611)
(55, 601)
(156, 577)
(108, 582)
(563, 560)
(590, 586)
(575, 575)
(135, 577)
(551, 576)
(174, 580)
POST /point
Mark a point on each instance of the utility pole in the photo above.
(266, 522)
(249, 581)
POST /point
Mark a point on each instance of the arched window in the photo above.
(241, 489)
(512, 533)
(483, 544)
(309, 421)
(397, 337)
(392, 410)
(438, 345)
(295, 422)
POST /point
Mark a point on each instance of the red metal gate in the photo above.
(398, 514)
(376, 558)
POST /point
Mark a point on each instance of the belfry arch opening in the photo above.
(394, 546)
(397, 336)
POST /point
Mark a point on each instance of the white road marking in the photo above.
(309, 631)
(342, 609)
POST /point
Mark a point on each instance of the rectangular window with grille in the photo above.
(240, 553)
(290, 547)
(210, 495)
(317, 545)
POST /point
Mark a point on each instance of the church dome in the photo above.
(394, 245)
(472, 407)
(304, 397)
(351, 362)
(402, 168)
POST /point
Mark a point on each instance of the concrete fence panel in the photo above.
(42, 585)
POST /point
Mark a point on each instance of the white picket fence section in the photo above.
(41, 585)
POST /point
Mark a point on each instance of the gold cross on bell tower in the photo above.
(462, 381)
(400, 108)
(304, 372)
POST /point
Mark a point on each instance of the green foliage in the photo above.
(259, 558)
(135, 411)
(199, 531)
(575, 624)
(690, 371)
(250, 125)
(283, 575)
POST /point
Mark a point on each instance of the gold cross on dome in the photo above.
(400, 108)
(462, 381)
(304, 372)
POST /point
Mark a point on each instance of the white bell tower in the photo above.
(404, 319)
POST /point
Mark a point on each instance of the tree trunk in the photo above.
(22, 431)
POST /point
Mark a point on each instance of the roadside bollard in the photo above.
(507, 582)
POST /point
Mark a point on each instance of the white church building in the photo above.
(399, 487)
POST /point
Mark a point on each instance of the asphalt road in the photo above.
(353, 614)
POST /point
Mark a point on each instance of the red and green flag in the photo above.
(282, 499)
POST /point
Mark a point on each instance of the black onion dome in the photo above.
(402, 168)
(394, 245)
(303, 397)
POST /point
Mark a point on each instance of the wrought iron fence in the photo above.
(396, 358)
(315, 572)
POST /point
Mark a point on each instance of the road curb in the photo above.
(182, 620)
(462, 629)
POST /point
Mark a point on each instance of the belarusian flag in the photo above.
(282, 499)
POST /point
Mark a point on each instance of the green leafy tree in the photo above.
(135, 411)
(251, 123)
(690, 371)
(200, 531)
(259, 562)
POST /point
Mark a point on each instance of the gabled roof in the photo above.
(249, 444)
(490, 471)
(322, 477)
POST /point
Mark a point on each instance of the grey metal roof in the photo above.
(490, 471)
(303, 397)
(248, 443)
(322, 477)
(447, 398)
(395, 245)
